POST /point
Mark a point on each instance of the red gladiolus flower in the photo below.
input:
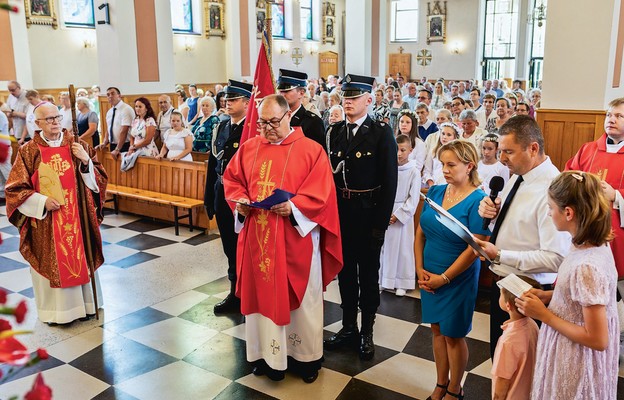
(39, 391)
(5, 325)
(20, 311)
(13, 352)
(42, 354)
(3, 296)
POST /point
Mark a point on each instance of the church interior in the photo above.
(157, 336)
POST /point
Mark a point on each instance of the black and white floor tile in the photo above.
(158, 338)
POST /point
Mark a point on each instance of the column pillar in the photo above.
(358, 37)
(576, 51)
(135, 50)
(15, 49)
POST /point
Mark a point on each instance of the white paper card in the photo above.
(514, 285)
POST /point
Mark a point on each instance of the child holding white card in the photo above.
(577, 350)
(514, 359)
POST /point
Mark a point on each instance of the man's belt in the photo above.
(351, 194)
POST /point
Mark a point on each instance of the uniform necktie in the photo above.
(505, 208)
(110, 128)
(350, 129)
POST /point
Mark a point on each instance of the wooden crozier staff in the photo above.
(84, 216)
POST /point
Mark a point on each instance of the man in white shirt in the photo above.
(463, 93)
(411, 97)
(524, 239)
(164, 116)
(30, 127)
(118, 122)
(487, 111)
(315, 98)
(18, 104)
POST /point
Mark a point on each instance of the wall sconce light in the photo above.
(455, 49)
(313, 50)
(283, 49)
(189, 45)
(88, 41)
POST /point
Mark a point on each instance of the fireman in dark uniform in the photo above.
(293, 85)
(363, 155)
(225, 142)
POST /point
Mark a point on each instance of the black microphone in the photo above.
(496, 185)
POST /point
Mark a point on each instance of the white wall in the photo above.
(59, 57)
(577, 51)
(204, 64)
(21, 50)
(461, 27)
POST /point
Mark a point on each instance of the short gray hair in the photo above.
(421, 106)
(468, 114)
(84, 101)
(210, 101)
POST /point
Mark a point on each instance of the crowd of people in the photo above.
(353, 159)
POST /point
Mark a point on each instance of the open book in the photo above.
(446, 219)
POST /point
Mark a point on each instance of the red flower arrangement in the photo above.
(15, 354)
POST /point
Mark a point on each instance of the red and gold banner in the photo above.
(67, 230)
(262, 86)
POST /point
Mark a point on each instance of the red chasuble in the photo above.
(593, 157)
(54, 245)
(273, 260)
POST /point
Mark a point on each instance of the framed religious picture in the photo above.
(260, 18)
(436, 23)
(40, 12)
(77, 13)
(213, 17)
(329, 29)
(329, 9)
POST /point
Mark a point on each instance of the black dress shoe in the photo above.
(347, 336)
(258, 371)
(310, 378)
(367, 347)
(275, 375)
(231, 304)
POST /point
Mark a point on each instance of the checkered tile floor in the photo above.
(159, 339)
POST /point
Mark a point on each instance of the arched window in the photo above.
(538, 35)
(404, 21)
(278, 26)
(78, 13)
(307, 18)
(182, 16)
(499, 44)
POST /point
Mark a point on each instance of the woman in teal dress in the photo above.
(448, 270)
(202, 127)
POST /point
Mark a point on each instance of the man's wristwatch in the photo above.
(496, 259)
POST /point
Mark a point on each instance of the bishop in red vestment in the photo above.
(50, 225)
(605, 158)
(286, 255)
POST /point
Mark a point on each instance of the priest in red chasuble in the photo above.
(42, 202)
(286, 255)
(605, 158)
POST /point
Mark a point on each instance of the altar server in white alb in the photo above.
(397, 255)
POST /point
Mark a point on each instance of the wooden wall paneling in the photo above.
(328, 63)
(565, 131)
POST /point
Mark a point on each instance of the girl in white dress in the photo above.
(408, 125)
(578, 344)
(397, 254)
(490, 166)
(177, 141)
(432, 174)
